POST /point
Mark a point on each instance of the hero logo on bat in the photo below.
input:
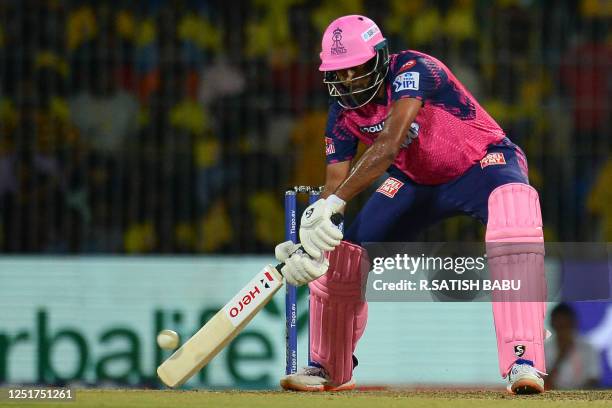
(250, 297)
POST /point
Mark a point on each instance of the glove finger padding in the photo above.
(300, 269)
(320, 241)
(304, 276)
(327, 239)
(315, 268)
(294, 271)
(332, 231)
(311, 247)
(289, 272)
(284, 249)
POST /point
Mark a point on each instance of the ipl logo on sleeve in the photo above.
(407, 80)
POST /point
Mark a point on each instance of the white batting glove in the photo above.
(299, 267)
(317, 232)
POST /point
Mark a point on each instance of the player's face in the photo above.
(354, 78)
(356, 86)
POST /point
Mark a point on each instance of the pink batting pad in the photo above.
(338, 311)
(515, 250)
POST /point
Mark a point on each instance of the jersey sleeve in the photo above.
(340, 143)
(416, 77)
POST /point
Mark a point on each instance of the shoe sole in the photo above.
(526, 387)
(289, 386)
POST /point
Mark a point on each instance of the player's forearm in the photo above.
(335, 175)
(330, 188)
(373, 164)
(377, 159)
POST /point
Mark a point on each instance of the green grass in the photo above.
(357, 399)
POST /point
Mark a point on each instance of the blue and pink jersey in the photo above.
(449, 135)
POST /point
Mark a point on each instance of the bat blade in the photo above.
(226, 324)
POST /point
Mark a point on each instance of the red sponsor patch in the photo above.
(390, 187)
(492, 159)
(329, 146)
(407, 66)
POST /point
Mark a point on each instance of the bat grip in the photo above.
(336, 218)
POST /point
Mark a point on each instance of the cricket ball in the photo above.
(168, 339)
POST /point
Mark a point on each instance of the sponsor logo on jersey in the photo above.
(337, 48)
(519, 350)
(407, 66)
(407, 80)
(413, 133)
(390, 187)
(372, 129)
(370, 33)
(492, 159)
(329, 146)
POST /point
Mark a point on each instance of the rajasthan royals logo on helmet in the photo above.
(337, 48)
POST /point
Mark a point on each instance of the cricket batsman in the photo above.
(444, 156)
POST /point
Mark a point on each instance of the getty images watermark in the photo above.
(411, 265)
(443, 271)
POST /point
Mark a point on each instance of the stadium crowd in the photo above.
(175, 126)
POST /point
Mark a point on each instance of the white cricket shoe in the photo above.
(523, 378)
(313, 379)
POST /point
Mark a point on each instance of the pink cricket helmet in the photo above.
(350, 41)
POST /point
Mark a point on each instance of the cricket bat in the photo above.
(207, 342)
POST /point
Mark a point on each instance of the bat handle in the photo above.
(336, 218)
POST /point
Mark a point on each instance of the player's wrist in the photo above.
(336, 202)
